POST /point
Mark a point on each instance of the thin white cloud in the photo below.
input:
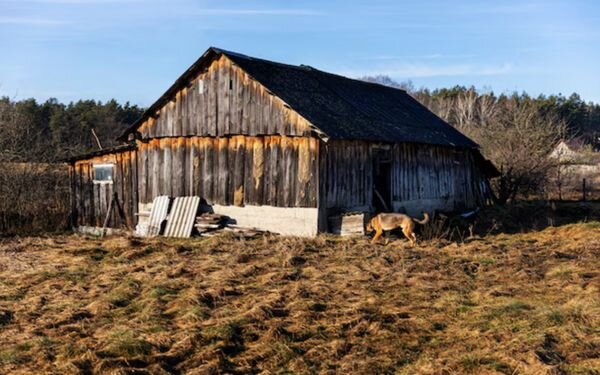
(255, 12)
(407, 71)
(507, 8)
(30, 21)
(432, 56)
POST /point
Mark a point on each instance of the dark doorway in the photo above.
(382, 169)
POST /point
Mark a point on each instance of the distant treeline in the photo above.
(50, 131)
(581, 118)
(515, 131)
(34, 194)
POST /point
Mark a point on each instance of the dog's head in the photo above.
(369, 227)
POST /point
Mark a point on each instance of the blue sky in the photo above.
(133, 50)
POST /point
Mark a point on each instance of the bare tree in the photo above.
(466, 110)
(518, 138)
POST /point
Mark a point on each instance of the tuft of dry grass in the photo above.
(502, 304)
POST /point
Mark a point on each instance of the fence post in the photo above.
(583, 190)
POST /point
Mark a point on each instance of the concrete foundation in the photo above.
(97, 231)
(293, 221)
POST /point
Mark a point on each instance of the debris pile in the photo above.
(348, 224)
(208, 222)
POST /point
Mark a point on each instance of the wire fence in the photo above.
(572, 184)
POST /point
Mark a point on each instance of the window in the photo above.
(103, 173)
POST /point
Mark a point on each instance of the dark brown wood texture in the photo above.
(427, 172)
(227, 139)
(419, 172)
(434, 172)
(270, 170)
(91, 201)
(349, 175)
(223, 101)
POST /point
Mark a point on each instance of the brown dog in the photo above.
(387, 222)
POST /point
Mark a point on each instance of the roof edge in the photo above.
(172, 90)
(196, 67)
(105, 151)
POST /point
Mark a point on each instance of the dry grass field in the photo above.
(503, 304)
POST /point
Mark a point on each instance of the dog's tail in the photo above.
(425, 219)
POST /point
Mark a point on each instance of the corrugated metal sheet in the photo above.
(158, 213)
(182, 216)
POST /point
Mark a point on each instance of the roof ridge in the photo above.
(302, 67)
(252, 58)
(350, 102)
(361, 81)
(338, 106)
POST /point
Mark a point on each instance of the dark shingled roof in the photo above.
(345, 108)
(104, 151)
(342, 108)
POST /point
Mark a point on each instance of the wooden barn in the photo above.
(282, 148)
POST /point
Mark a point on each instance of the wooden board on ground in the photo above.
(348, 224)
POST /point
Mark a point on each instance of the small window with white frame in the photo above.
(103, 173)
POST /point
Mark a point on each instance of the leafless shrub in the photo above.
(436, 228)
(33, 198)
(515, 133)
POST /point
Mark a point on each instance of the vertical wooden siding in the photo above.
(348, 174)
(91, 201)
(223, 101)
(419, 172)
(434, 172)
(269, 170)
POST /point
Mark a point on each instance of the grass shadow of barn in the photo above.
(518, 217)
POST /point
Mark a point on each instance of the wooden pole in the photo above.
(385, 206)
(97, 140)
(120, 210)
(110, 208)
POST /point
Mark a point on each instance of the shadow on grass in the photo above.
(520, 217)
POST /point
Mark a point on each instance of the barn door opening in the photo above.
(382, 170)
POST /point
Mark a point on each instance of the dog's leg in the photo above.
(377, 235)
(414, 238)
(410, 236)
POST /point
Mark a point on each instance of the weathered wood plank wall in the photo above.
(426, 172)
(418, 172)
(224, 100)
(91, 201)
(348, 175)
(268, 170)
